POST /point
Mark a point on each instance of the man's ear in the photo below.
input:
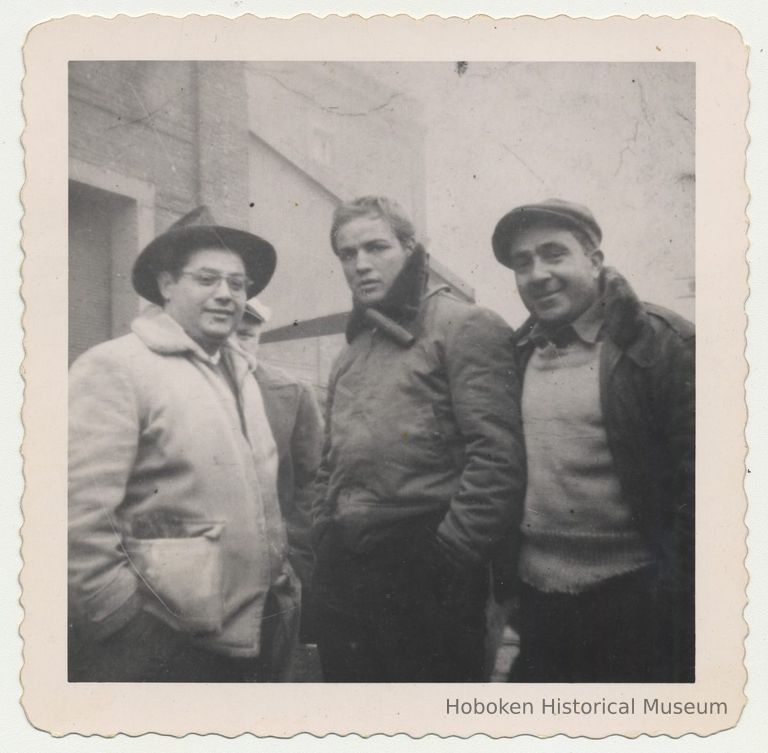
(597, 258)
(164, 282)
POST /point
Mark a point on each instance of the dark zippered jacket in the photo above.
(423, 429)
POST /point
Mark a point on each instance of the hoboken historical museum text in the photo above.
(559, 706)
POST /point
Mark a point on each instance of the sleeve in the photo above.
(321, 513)
(677, 413)
(487, 509)
(672, 502)
(306, 450)
(103, 441)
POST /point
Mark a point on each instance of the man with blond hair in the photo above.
(423, 466)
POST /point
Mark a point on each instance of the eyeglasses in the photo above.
(236, 283)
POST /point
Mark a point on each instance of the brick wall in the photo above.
(224, 141)
(139, 119)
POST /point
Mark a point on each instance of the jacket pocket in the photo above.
(183, 576)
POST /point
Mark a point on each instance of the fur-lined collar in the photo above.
(162, 334)
(402, 303)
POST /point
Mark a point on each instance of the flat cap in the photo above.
(553, 211)
(257, 311)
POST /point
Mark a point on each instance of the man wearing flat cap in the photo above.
(422, 476)
(607, 554)
(177, 550)
(297, 426)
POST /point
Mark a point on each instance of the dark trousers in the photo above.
(390, 616)
(147, 650)
(621, 630)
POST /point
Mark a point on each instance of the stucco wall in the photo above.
(617, 137)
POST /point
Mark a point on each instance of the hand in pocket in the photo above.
(182, 578)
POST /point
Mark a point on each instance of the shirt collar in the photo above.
(587, 327)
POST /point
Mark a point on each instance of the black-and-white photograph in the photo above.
(381, 372)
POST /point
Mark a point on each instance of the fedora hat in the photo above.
(558, 211)
(197, 230)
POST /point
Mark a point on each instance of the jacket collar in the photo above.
(397, 314)
(625, 320)
(162, 334)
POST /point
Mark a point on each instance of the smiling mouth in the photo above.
(546, 296)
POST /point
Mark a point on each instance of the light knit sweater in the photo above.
(577, 528)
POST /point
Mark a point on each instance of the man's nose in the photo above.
(539, 270)
(222, 290)
(362, 261)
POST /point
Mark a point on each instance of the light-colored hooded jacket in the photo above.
(172, 490)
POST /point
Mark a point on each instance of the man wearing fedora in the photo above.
(607, 555)
(297, 426)
(422, 476)
(177, 549)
